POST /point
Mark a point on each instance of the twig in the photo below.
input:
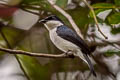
(67, 16)
(100, 7)
(31, 12)
(63, 55)
(104, 42)
(92, 10)
(110, 43)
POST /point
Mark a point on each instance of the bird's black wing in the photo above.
(70, 35)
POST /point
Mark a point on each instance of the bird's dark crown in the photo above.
(49, 18)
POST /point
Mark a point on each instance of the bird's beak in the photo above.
(43, 21)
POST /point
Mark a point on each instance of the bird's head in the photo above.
(51, 22)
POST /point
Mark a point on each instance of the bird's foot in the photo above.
(70, 54)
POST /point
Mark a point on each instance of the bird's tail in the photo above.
(87, 60)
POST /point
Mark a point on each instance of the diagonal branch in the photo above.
(91, 8)
(67, 16)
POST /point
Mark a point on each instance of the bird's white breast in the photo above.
(61, 43)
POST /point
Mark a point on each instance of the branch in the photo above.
(63, 55)
(92, 10)
(110, 43)
(67, 16)
(104, 42)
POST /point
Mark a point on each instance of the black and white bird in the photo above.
(66, 39)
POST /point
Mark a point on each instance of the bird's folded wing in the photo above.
(68, 34)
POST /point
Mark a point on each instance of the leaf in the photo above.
(33, 69)
(112, 52)
(103, 5)
(62, 3)
(117, 2)
(115, 30)
(13, 35)
(97, 11)
(114, 19)
(35, 43)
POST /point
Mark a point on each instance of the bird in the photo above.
(66, 39)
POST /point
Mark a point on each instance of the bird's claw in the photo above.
(70, 54)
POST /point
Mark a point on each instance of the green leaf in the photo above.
(117, 2)
(62, 3)
(13, 35)
(33, 69)
(114, 19)
(103, 5)
(97, 11)
(100, 7)
(112, 52)
(115, 30)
